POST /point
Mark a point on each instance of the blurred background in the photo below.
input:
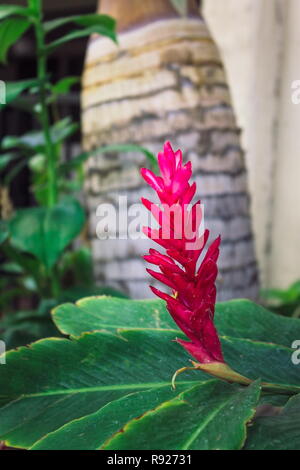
(257, 42)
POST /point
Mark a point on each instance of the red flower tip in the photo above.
(192, 305)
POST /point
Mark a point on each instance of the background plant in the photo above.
(283, 301)
(39, 269)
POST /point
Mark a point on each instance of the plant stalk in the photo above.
(45, 118)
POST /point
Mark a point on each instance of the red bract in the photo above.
(192, 304)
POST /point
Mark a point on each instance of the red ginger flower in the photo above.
(192, 305)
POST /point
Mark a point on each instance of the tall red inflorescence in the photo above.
(192, 304)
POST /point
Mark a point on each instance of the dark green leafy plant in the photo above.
(36, 239)
(109, 385)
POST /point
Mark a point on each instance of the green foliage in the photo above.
(11, 29)
(99, 24)
(13, 10)
(64, 85)
(14, 89)
(280, 432)
(77, 162)
(46, 232)
(108, 386)
(3, 231)
(106, 22)
(284, 301)
(37, 240)
(197, 419)
(270, 348)
(24, 327)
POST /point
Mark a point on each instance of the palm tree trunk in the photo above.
(165, 81)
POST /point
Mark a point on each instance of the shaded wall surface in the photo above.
(260, 42)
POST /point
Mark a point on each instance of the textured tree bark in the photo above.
(165, 81)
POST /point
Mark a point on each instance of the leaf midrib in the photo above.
(104, 388)
(194, 436)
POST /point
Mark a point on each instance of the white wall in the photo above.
(259, 41)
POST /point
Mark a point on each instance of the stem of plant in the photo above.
(224, 372)
(45, 118)
(50, 147)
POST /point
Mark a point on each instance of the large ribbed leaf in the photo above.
(55, 381)
(58, 392)
(194, 419)
(266, 355)
(91, 431)
(236, 318)
(95, 313)
(212, 415)
(281, 432)
(244, 319)
(270, 362)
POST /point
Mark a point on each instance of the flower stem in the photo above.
(224, 372)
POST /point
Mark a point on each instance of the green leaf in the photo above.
(10, 10)
(45, 232)
(203, 411)
(108, 313)
(105, 21)
(236, 318)
(64, 85)
(284, 301)
(11, 267)
(78, 265)
(35, 5)
(35, 141)
(14, 89)
(197, 419)
(270, 362)
(78, 161)
(273, 399)
(25, 327)
(11, 29)
(280, 432)
(245, 319)
(11, 174)
(3, 231)
(56, 380)
(252, 355)
(26, 261)
(93, 24)
(91, 431)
